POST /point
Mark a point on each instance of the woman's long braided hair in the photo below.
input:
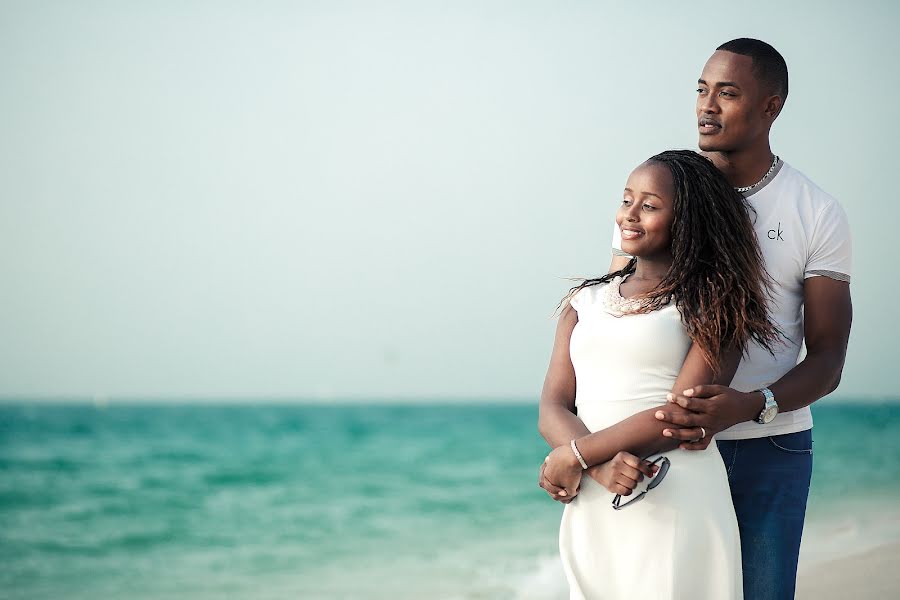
(717, 278)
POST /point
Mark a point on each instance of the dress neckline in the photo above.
(613, 301)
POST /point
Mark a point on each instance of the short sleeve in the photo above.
(830, 250)
(580, 299)
(585, 299)
(617, 242)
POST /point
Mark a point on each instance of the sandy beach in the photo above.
(871, 574)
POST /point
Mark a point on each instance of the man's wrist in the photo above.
(756, 402)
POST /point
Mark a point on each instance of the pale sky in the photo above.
(379, 199)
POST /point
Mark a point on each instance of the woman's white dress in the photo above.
(681, 540)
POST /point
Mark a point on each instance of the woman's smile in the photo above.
(630, 233)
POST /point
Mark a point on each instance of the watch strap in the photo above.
(770, 400)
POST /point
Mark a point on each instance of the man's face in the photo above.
(731, 106)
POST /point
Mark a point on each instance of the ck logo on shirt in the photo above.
(775, 234)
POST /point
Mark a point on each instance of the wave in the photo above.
(139, 540)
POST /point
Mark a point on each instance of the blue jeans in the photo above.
(769, 479)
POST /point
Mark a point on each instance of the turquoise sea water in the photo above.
(348, 501)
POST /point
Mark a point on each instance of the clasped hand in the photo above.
(561, 479)
(703, 411)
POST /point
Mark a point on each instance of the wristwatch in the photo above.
(770, 410)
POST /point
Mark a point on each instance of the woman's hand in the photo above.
(622, 474)
(561, 474)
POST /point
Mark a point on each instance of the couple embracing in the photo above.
(724, 263)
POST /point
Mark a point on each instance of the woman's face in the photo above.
(647, 212)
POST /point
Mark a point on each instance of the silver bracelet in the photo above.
(578, 454)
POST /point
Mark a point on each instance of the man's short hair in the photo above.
(768, 65)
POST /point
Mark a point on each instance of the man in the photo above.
(762, 423)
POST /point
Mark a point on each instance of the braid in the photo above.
(626, 270)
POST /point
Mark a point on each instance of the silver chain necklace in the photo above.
(758, 183)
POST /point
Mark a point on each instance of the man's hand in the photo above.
(713, 408)
(622, 474)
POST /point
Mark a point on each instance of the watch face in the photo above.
(769, 414)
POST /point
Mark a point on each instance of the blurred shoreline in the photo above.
(863, 575)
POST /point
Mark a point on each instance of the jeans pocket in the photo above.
(793, 443)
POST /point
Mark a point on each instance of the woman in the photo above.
(678, 315)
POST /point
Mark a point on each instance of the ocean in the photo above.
(355, 501)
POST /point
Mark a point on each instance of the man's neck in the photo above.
(743, 167)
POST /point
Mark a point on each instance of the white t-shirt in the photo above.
(803, 232)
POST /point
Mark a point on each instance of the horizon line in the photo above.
(249, 399)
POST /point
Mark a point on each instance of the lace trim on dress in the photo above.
(612, 301)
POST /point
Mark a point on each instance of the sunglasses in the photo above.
(664, 463)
